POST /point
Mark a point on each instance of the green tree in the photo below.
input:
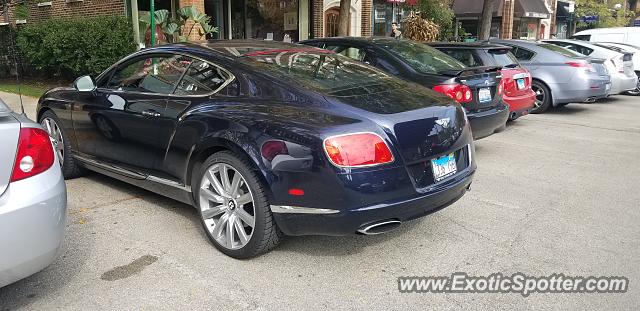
(610, 13)
(439, 12)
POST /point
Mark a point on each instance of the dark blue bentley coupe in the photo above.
(266, 139)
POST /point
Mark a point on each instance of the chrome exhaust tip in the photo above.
(380, 227)
(590, 100)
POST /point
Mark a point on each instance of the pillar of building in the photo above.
(195, 33)
(367, 8)
(506, 28)
(318, 18)
(552, 23)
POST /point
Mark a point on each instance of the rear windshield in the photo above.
(420, 57)
(315, 69)
(559, 50)
(503, 57)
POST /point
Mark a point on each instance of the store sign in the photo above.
(536, 15)
(589, 19)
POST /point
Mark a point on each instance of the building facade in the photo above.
(512, 19)
(282, 20)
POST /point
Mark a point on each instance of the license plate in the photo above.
(484, 95)
(520, 83)
(443, 167)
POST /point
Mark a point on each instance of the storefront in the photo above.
(386, 12)
(526, 18)
(280, 20)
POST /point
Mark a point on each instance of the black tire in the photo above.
(70, 166)
(265, 234)
(543, 97)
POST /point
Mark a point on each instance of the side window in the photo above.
(466, 57)
(582, 37)
(523, 54)
(202, 78)
(157, 74)
(351, 52)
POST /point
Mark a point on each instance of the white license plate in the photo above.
(444, 167)
(484, 95)
(520, 83)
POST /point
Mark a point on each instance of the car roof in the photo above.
(607, 30)
(231, 48)
(469, 45)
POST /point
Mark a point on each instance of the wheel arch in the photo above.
(553, 103)
(206, 149)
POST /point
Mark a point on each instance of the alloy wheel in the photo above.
(55, 134)
(227, 206)
(540, 96)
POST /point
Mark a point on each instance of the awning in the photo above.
(533, 8)
(523, 8)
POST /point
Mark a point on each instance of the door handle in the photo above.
(150, 113)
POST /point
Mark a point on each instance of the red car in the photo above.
(516, 80)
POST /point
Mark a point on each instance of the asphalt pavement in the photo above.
(554, 193)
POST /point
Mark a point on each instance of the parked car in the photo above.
(268, 138)
(515, 78)
(478, 89)
(626, 48)
(627, 35)
(33, 199)
(560, 76)
(619, 65)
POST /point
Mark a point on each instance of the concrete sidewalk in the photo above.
(13, 100)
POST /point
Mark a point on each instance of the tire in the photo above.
(64, 152)
(220, 204)
(543, 97)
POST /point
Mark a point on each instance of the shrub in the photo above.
(69, 48)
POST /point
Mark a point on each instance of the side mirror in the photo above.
(84, 84)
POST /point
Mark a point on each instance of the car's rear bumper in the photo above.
(622, 83)
(487, 122)
(33, 213)
(520, 105)
(592, 89)
(311, 221)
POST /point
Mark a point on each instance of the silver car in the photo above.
(619, 63)
(33, 197)
(560, 76)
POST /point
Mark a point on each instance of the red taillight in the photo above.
(353, 150)
(500, 87)
(584, 65)
(35, 154)
(459, 92)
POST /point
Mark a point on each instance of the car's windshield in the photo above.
(420, 57)
(561, 50)
(315, 69)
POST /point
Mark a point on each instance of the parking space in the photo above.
(554, 193)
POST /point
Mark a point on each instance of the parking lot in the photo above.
(554, 193)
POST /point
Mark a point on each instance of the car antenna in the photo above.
(15, 64)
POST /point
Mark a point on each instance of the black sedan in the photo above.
(478, 89)
(267, 139)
